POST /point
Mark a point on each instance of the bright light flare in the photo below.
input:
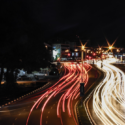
(110, 47)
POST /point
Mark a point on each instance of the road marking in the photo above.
(46, 116)
(46, 122)
(15, 118)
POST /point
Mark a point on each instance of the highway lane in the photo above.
(55, 105)
(106, 104)
(17, 112)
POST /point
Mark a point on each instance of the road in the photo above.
(51, 106)
(106, 104)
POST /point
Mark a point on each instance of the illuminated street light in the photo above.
(100, 48)
(76, 50)
(88, 51)
(110, 47)
(83, 47)
(117, 50)
(67, 50)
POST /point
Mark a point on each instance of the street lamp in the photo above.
(83, 47)
(117, 50)
(82, 50)
(110, 47)
(76, 50)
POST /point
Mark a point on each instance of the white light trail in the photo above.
(109, 96)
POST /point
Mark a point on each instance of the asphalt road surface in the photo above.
(52, 105)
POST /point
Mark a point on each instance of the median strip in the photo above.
(81, 112)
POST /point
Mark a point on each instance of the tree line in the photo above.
(21, 41)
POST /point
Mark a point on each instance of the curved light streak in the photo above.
(109, 96)
(70, 80)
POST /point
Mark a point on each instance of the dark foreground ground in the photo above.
(13, 91)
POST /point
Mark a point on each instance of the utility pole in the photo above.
(82, 49)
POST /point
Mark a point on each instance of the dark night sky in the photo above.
(58, 18)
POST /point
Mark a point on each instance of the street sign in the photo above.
(81, 89)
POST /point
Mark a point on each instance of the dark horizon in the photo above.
(46, 20)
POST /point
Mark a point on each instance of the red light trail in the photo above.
(72, 81)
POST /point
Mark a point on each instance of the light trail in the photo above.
(109, 96)
(72, 81)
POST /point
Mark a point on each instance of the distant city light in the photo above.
(117, 50)
(67, 50)
(88, 51)
(68, 54)
(99, 48)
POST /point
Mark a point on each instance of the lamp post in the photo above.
(82, 50)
